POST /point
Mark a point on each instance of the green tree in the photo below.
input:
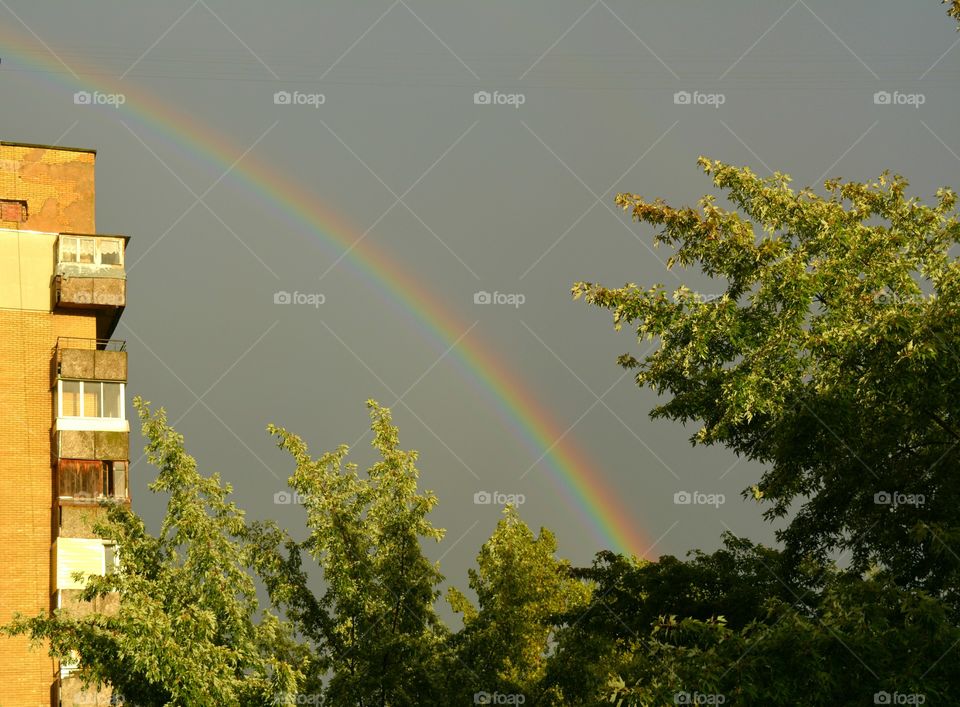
(953, 10)
(831, 358)
(373, 628)
(633, 599)
(184, 631)
(521, 588)
(725, 624)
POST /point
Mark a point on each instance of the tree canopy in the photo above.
(830, 358)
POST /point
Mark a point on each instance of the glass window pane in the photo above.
(68, 250)
(86, 250)
(70, 399)
(109, 252)
(91, 399)
(111, 400)
(120, 480)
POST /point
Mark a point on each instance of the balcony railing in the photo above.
(74, 342)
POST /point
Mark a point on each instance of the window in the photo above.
(70, 399)
(86, 479)
(69, 663)
(86, 250)
(109, 252)
(90, 399)
(110, 400)
(68, 250)
(91, 251)
(118, 477)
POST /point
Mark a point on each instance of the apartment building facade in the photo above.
(64, 435)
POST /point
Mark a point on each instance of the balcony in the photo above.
(87, 482)
(90, 400)
(91, 359)
(90, 272)
(100, 445)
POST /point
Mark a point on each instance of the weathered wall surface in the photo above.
(58, 189)
(27, 526)
(58, 186)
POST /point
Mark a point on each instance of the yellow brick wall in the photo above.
(58, 186)
(27, 530)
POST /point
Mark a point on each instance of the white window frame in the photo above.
(97, 240)
(68, 665)
(123, 401)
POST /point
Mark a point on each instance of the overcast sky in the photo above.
(384, 135)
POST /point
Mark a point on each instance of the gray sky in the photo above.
(491, 198)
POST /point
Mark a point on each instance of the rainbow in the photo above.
(578, 480)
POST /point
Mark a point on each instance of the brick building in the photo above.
(64, 436)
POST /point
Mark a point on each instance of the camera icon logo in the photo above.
(882, 498)
(282, 98)
(482, 98)
(482, 297)
(82, 98)
(483, 498)
(682, 98)
(283, 498)
(881, 698)
(482, 698)
(884, 296)
(282, 297)
(682, 498)
(882, 98)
